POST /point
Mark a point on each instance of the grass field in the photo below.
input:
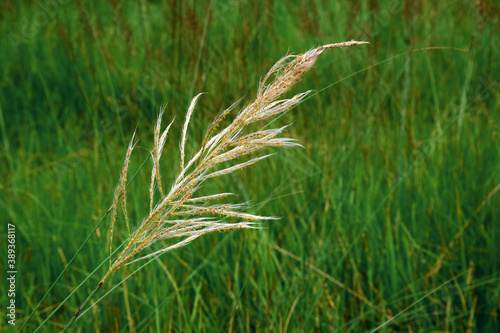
(389, 216)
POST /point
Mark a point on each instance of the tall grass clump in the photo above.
(180, 215)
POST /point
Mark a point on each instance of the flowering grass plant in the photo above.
(178, 216)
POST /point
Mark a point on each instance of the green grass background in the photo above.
(391, 210)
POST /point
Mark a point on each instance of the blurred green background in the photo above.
(389, 216)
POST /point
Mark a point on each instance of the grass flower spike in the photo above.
(179, 215)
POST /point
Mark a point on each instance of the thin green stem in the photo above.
(84, 304)
(61, 274)
(77, 288)
(74, 257)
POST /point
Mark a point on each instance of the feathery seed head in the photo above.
(179, 216)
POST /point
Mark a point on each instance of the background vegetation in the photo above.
(390, 216)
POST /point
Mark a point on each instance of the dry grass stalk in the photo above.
(182, 216)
